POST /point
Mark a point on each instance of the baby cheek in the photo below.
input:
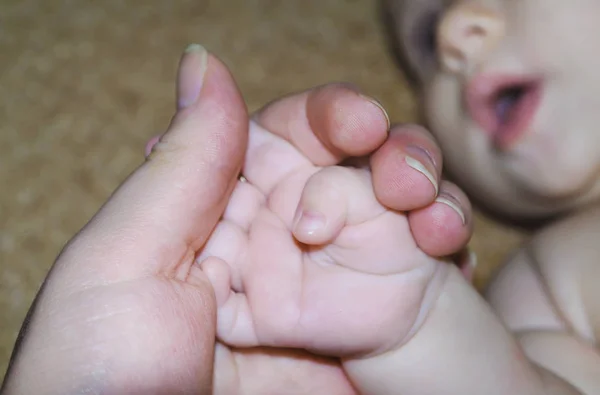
(553, 168)
(447, 119)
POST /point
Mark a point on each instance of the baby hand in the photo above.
(307, 257)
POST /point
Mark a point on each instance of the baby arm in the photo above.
(358, 287)
(537, 337)
(460, 348)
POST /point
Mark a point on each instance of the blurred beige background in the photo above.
(84, 84)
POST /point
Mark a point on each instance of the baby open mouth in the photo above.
(507, 101)
(504, 107)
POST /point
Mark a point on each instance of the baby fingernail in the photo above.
(453, 205)
(379, 106)
(191, 75)
(421, 168)
(310, 222)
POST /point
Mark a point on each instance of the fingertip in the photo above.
(328, 123)
(211, 123)
(348, 122)
(379, 109)
(212, 116)
(416, 141)
(444, 227)
(190, 75)
(313, 228)
(401, 182)
(308, 224)
(150, 145)
(452, 202)
(321, 212)
(451, 195)
(407, 169)
(178, 195)
(217, 272)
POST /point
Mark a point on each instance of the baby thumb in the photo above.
(331, 199)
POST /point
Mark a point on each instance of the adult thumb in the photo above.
(164, 212)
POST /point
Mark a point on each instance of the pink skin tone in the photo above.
(151, 143)
(142, 313)
(128, 309)
(462, 65)
(480, 98)
(510, 91)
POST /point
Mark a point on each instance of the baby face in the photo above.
(511, 90)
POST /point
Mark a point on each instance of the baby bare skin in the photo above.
(307, 257)
(510, 90)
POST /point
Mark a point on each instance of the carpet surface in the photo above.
(84, 84)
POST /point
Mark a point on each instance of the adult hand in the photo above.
(126, 310)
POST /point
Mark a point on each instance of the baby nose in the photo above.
(466, 33)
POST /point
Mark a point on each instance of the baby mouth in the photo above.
(503, 106)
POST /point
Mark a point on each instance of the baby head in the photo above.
(511, 91)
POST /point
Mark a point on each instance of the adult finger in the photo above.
(327, 124)
(446, 226)
(407, 168)
(164, 212)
